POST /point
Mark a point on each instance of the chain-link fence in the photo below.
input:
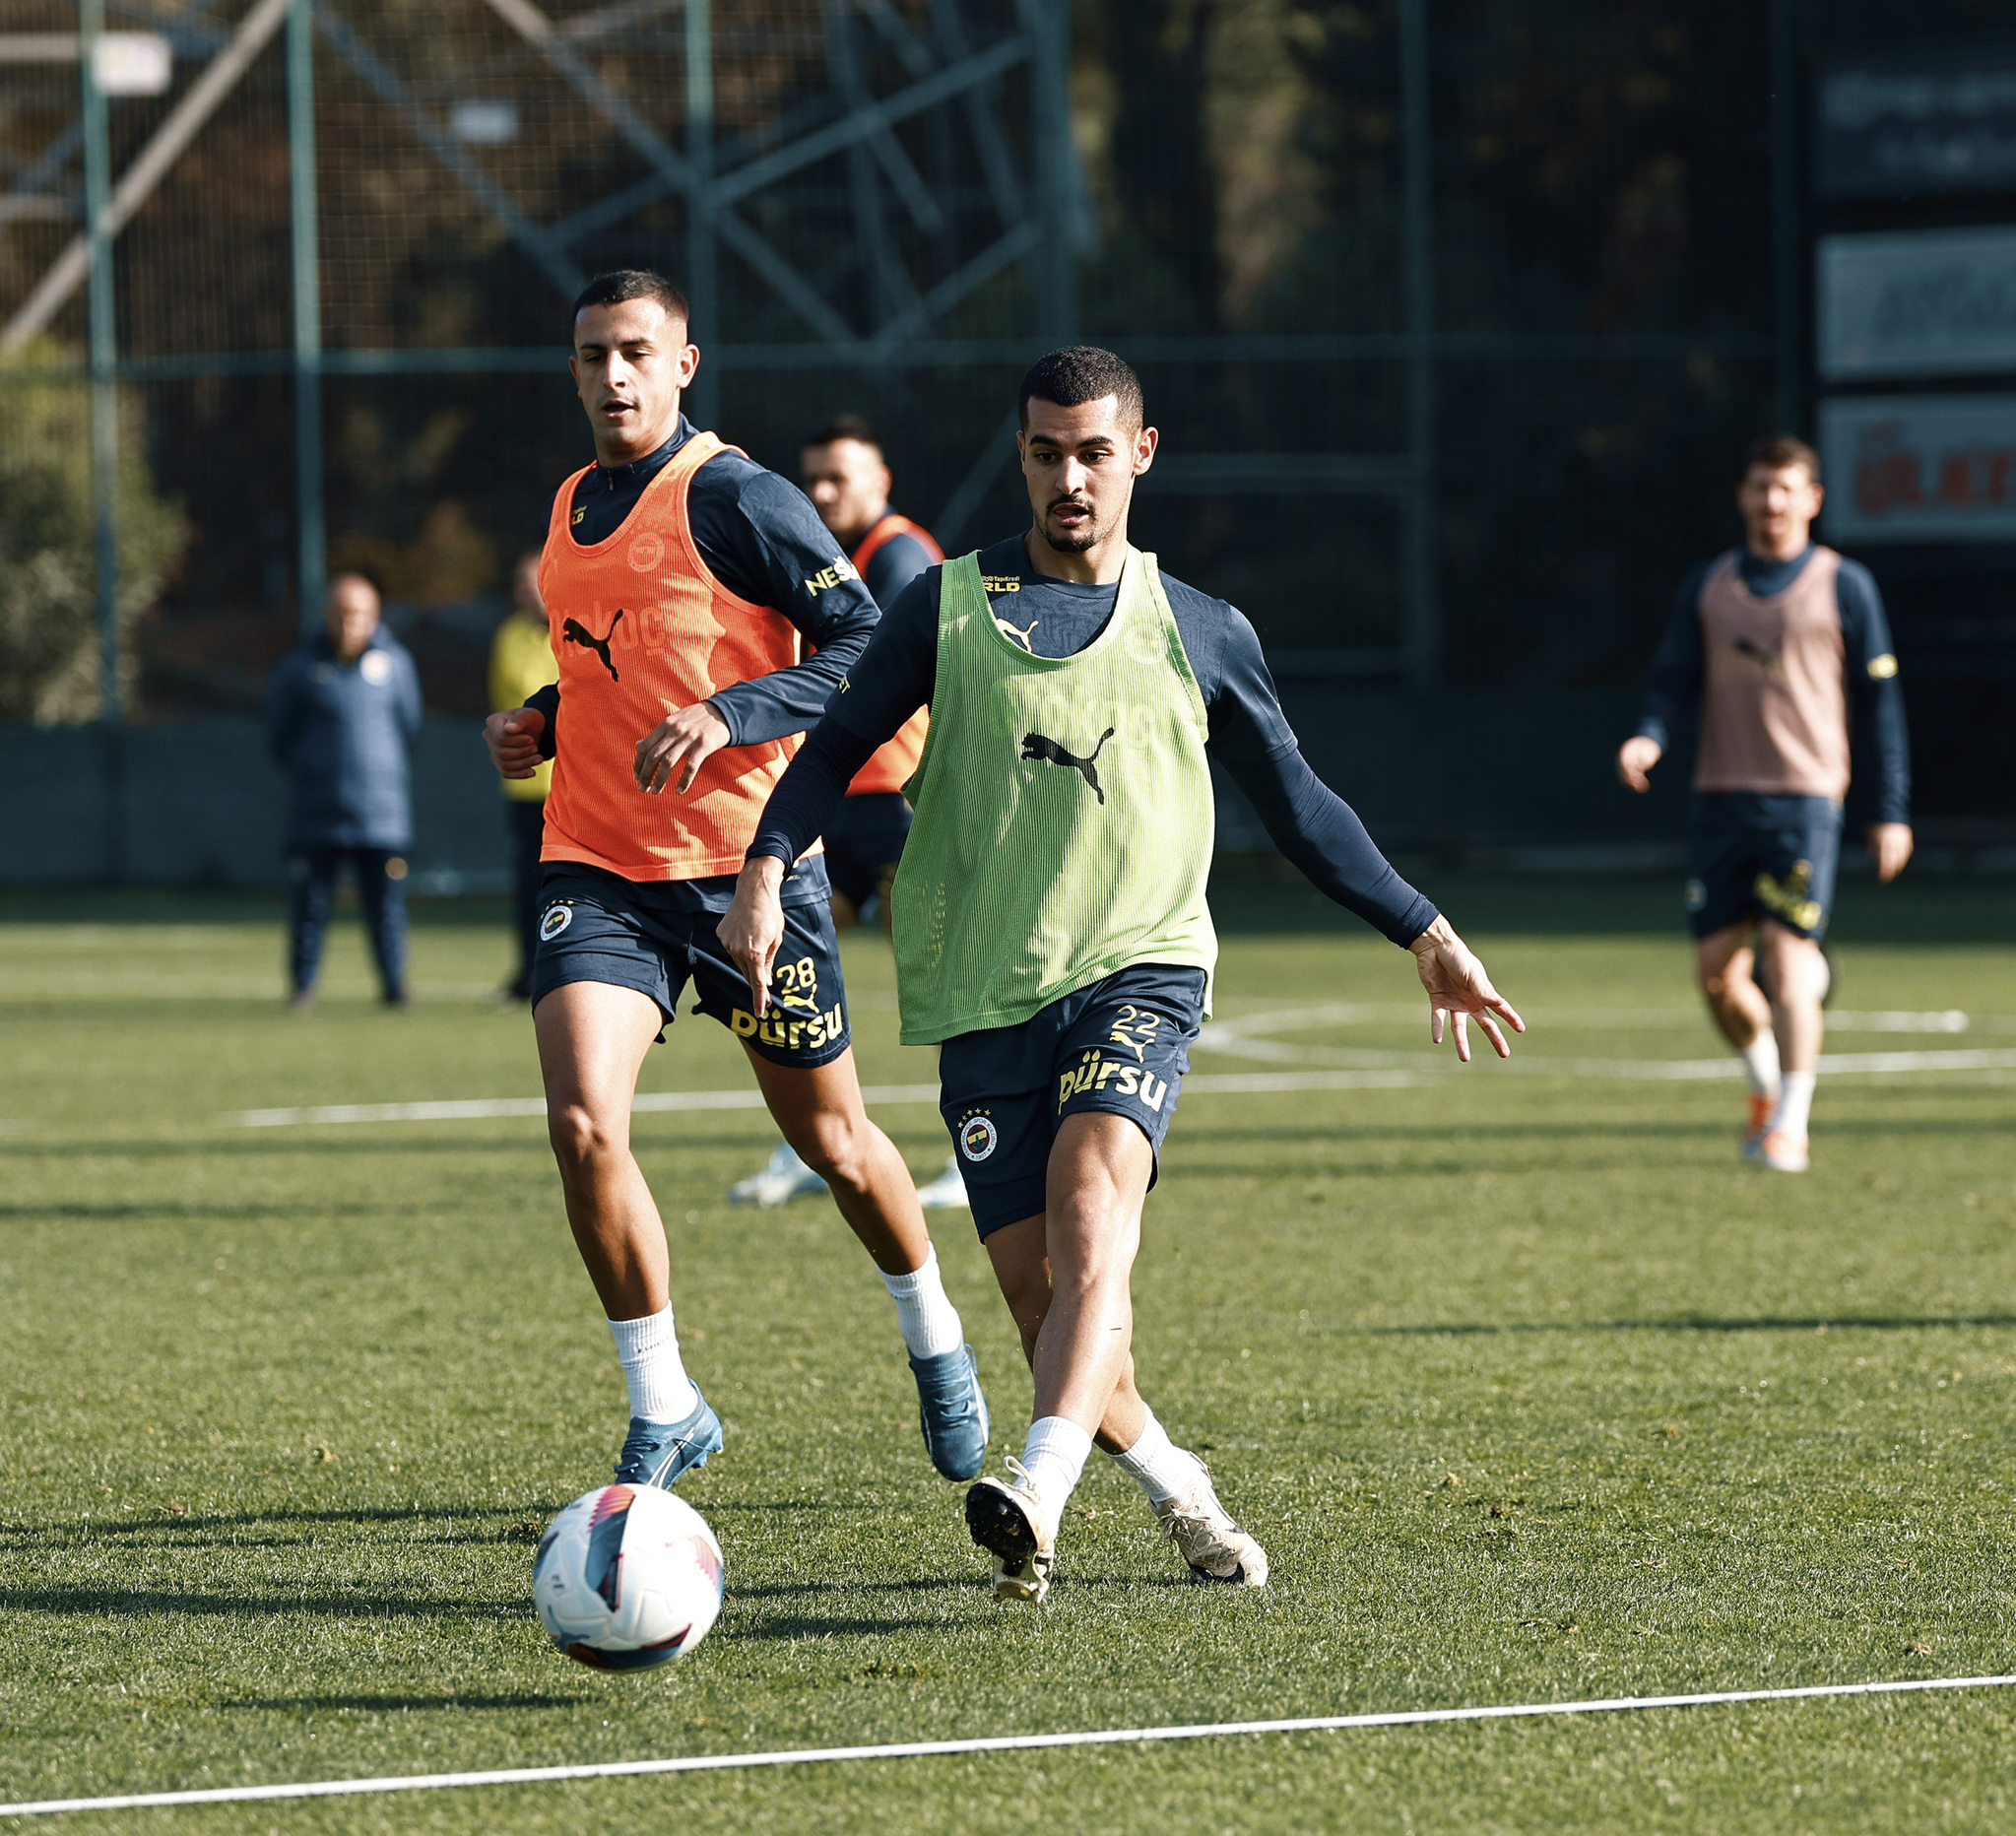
(1456, 315)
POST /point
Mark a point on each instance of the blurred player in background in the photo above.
(680, 580)
(521, 664)
(849, 482)
(342, 710)
(1783, 644)
(1052, 935)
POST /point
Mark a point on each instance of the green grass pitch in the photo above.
(1533, 1391)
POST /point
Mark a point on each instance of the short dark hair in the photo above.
(622, 284)
(844, 428)
(1779, 450)
(1081, 374)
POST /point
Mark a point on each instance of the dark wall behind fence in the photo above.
(1603, 328)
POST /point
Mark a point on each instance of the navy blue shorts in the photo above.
(1756, 855)
(864, 842)
(598, 927)
(1120, 1047)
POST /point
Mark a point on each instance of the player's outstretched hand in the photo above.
(681, 743)
(1458, 988)
(1635, 759)
(754, 926)
(514, 740)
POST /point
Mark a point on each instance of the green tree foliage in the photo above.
(48, 629)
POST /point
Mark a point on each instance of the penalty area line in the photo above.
(994, 1743)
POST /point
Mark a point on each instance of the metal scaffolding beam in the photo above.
(306, 254)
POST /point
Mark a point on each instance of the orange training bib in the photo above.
(894, 764)
(641, 627)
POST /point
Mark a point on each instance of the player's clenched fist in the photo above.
(514, 740)
(1634, 760)
(754, 926)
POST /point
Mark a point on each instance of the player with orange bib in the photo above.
(683, 585)
(849, 481)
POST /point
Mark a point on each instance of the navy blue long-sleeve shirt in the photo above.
(1247, 732)
(343, 732)
(1876, 701)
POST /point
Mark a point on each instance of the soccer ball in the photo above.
(628, 1576)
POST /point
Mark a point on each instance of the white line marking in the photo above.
(1245, 1037)
(481, 1108)
(1387, 1071)
(995, 1744)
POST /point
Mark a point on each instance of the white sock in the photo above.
(1760, 1059)
(1053, 1457)
(660, 1389)
(1795, 1105)
(929, 1320)
(1157, 1465)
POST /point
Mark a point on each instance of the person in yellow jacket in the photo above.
(521, 664)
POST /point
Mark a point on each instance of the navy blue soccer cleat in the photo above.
(953, 1408)
(658, 1453)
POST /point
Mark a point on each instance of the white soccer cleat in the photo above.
(947, 1189)
(1205, 1534)
(784, 1177)
(1784, 1152)
(1006, 1519)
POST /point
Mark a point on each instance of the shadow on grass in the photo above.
(395, 1705)
(1767, 1323)
(178, 1210)
(195, 1532)
(132, 1602)
(808, 1625)
(805, 1590)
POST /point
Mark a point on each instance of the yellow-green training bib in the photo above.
(1064, 816)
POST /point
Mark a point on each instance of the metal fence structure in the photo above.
(1451, 368)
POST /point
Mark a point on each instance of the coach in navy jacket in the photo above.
(342, 712)
(340, 718)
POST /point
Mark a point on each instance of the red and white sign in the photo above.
(1919, 468)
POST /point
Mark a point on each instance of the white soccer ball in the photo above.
(628, 1576)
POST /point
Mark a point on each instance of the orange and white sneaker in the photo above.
(1783, 1151)
(1760, 1120)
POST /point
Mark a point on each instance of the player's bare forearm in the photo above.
(754, 925)
(677, 747)
(512, 737)
(1458, 989)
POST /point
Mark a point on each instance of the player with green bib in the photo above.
(1051, 931)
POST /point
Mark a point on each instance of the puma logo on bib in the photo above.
(576, 632)
(1041, 745)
